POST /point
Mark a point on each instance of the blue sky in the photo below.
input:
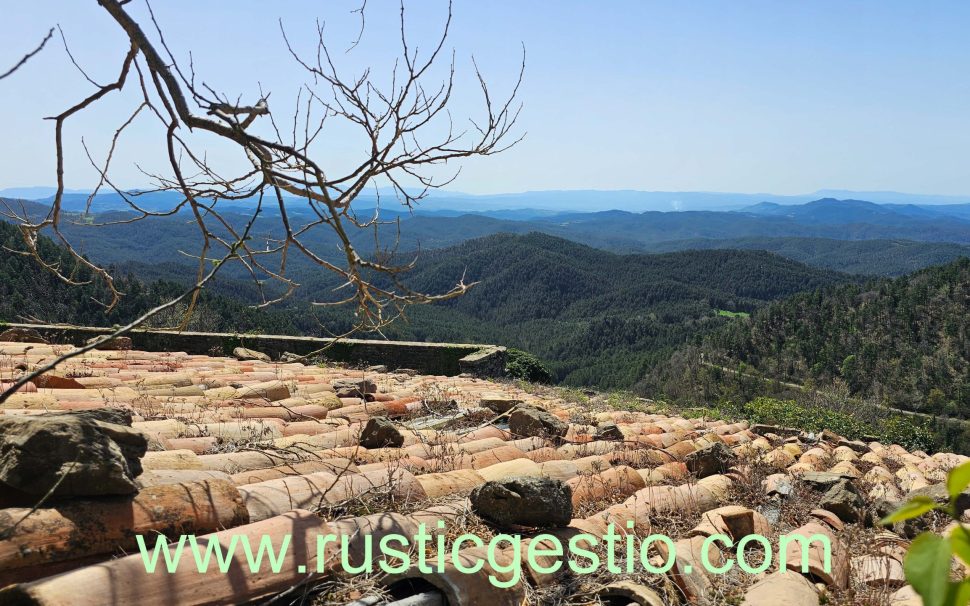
(780, 97)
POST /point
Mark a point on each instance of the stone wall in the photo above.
(427, 358)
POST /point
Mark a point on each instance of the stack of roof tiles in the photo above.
(256, 448)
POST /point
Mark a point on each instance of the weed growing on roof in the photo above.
(435, 395)
(625, 400)
(872, 542)
(380, 498)
(471, 419)
(571, 395)
(80, 373)
(614, 400)
(586, 590)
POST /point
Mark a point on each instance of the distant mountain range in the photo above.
(853, 236)
(595, 316)
(867, 257)
(527, 204)
(833, 211)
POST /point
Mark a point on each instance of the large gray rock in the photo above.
(22, 335)
(712, 459)
(843, 500)
(353, 388)
(381, 433)
(528, 421)
(116, 416)
(764, 430)
(499, 403)
(821, 480)
(913, 527)
(243, 354)
(87, 453)
(856, 445)
(608, 431)
(536, 502)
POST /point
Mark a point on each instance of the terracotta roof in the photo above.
(260, 448)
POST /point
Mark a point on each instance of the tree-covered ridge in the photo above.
(904, 342)
(30, 293)
(596, 318)
(888, 258)
(537, 275)
(883, 240)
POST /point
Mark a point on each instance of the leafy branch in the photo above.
(929, 560)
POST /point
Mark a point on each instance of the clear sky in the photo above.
(779, 97)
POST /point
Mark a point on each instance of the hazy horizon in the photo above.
(555, 201)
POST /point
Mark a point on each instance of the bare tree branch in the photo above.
(29, 55)
(404, 125)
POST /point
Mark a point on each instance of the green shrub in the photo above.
(525, 366)
(625, 400)
(816, 418)
(909, 432)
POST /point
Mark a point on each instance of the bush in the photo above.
(526, 367)
(909, 432)
(793, 414)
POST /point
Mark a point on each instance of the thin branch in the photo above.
(407, 136)
(29, 55)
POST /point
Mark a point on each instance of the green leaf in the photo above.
(959, 593)
(960, 540)
(912, 508)
(958, 479)
(927, 568)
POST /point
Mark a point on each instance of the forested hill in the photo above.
(30, 293)
(537, 275)
(887, 258)
(849, 236)
(595, 317)
(904, 342)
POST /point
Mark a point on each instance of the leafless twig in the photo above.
(404, 124)
(29, 55)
